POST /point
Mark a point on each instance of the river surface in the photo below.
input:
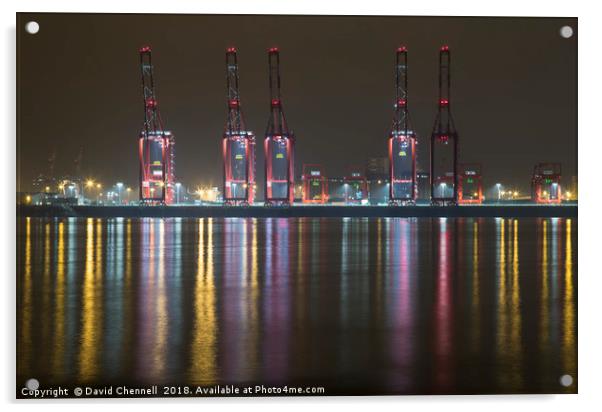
(353, 305)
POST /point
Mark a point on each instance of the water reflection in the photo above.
(26, 309)
(568, 342)
(91, 313)
(203, 344)
(475, 322)
(357, 305)
(443, 308)
(400, 305)
(59, 302)
(276, 307)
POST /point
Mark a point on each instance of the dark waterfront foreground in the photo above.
(358, 306)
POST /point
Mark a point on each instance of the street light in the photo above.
(554, 191)
(119, 187)
(178, 185)
(99, 194)
(89, 185)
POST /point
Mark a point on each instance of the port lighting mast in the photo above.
(402, 139)
(444, 140)
(238, 144)
(156, 145)
(279, 143)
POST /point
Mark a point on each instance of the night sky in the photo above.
(514, 95)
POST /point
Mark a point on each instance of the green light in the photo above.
(279, 155)
(402, 153)
(239, 157)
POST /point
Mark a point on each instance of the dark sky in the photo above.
(514, 90)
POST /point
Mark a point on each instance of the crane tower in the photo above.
(279, 143)
(238, 143)
(402, 139)
(444, 140)
(155, 145)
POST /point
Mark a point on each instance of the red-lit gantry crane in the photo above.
(402, 139)
(444, 140)
(279, 144)
(545, 183)
(315, 186)
(470, 185)
(156, 145)
(238, 143)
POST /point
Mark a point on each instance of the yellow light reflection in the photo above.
(502, 303)
(515, 310)
(161, 317)
(88, 358)
(27, 292)
(203, 345)
(568, 343)
(545, 292)
(46, 309)
(255, 261)
(59, 303)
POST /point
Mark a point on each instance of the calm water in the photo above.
(355, 305)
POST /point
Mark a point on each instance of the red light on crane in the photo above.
(443, 102)
(234, 103)
(273, 50)
(151, 103)
(275, 102)
(402, 49)
(231, 50)
(444, 48)
(402, 102)
(145, 49)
